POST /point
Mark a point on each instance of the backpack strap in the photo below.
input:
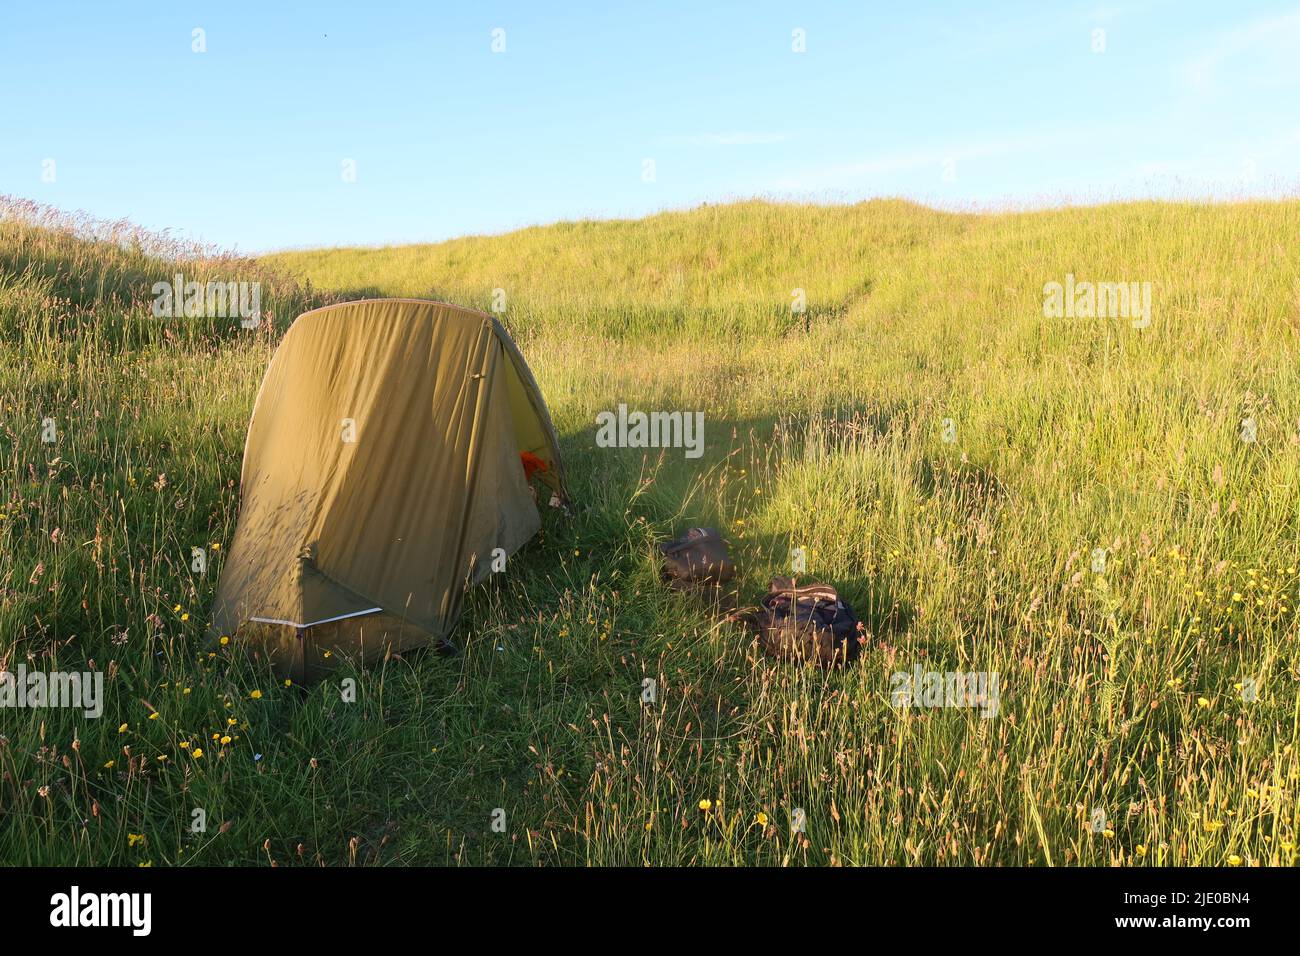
(681, 544)
(786, 589)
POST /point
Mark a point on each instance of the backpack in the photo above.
(809, 622)
(699, 557)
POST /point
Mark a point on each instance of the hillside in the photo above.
(947, 454)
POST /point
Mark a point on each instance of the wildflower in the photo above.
(198, 753)
(184, 745)
(1234, 860)
(109, 765)
(176, 609)
(224, 640)
(215, 546)
(133, 838)
(256, 695)
(122, 729)
(230, 721)
(185, 616)
(706, 805)
(225, 740)
(1202, 702)
(1140, 849)
(288, 682)
(154, 715)
(761, 819)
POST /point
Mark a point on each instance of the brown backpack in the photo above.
(804, 622)
(700, 557)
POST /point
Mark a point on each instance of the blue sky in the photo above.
(954, 104)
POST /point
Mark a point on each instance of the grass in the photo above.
(1125, 691)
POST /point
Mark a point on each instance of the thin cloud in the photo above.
(847, 175)
(1269, 40)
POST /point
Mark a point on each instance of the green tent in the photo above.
(387, 461)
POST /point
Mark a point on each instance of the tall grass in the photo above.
(1124, 691)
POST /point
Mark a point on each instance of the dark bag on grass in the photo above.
(808, 622)
(700, 557)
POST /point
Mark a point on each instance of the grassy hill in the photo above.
(948, 455)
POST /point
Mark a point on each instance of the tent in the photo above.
(395, 446)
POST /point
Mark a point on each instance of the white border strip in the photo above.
(328, 620)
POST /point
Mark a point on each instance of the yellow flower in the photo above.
(1234, 860)
(225, 740)
(184, 745)
(287, 682)
(122, 729)
(230, 721)
(256, 695)
(1108, 833)
(1202, 702)
(1141, 849)
(198, 752)
(216, 545)
(185, 617)
(224, 640)
(133, 838)
(706, 805)
(154, 715)
(761, 819)
(109, 765)
(176, 609)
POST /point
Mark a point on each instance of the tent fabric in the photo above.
(381, 471)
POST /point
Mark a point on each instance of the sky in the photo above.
(259, 126)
